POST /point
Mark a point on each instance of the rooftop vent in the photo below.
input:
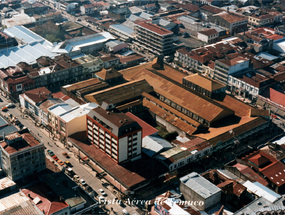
(125, 120)
(108, 113)
(121, 121)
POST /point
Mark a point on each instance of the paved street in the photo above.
(83, 171)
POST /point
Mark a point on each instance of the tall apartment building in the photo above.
(154, 38)
(114, 133)
(22, 155)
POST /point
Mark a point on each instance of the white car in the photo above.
(102, 192)
(10, 105)
(82, 182)
(125, 212)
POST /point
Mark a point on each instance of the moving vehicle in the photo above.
(65, 154)
(10, 105)
(102, 192)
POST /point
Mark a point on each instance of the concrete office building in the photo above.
(114, 133)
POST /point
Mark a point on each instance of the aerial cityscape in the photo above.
(142, 107)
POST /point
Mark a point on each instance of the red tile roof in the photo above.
(232, 17)
(47, 204)
(38, 95)
(250, 174)
(273, 170)
(188, 6)
(211, 9)
(209, 31)
(154, 28)
(60, 95)
(27, 141)
(147, 129)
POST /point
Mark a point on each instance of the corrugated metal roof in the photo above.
(151, 145)
(262, 191)
(200, 185)
(124, 29)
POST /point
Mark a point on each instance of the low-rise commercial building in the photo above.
(234, 22)
(195, 187)
(208, 35)
(225, 67)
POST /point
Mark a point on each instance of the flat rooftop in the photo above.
(155, 28)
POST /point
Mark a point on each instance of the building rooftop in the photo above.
(77, 112)
(120, 93)
(211, 9)
(250, 174)
(50, 204)
(151, 145)
(262, 191)
(147, 129)
(234, 61)
(108, 74)
(204, 82)
(6, 183)
(231, 17)
(22, 141)
(200, 185)
(179, 95)
(188, 6)
(18, 203)
(34, 47)
(208, 32)
(59, 109)
(260, 204)
(38, 95)
(123, 29)
(155, 28)
(81, 84)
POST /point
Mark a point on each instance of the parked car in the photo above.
(55, 158)
(65, 154)
(10, 105)
(50, 152)
(82, 182)
(69, 171)
(102, 192)
(67, 163)
(4, 109)
(76, 178)
(60, 162)
(125, 212)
